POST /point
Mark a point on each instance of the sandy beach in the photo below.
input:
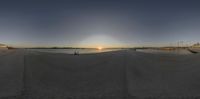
(109, 75)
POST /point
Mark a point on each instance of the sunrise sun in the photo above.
(99, 48)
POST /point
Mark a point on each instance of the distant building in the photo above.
(3, 46)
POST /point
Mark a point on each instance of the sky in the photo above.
(93, 23)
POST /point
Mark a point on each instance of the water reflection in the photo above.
(159, 51)
(71, 51)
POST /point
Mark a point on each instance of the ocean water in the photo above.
(87, 51)
(177, 52)
(71, 51)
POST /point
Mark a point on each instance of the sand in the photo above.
(108, 75)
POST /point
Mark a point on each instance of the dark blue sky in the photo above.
(91, 23)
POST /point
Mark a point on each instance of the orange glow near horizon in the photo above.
(100, 41)
(3, 46)
(99, 48)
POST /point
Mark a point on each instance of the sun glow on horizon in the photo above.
(100, 41)
(99, 48)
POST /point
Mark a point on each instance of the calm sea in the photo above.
(87, 51)
(71, 51)
(154, 51)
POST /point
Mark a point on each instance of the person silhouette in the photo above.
(76, 53)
